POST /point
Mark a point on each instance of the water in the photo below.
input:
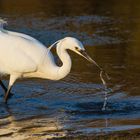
(41, 109)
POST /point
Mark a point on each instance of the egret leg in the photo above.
(7, 94)
(11, 82)
(3, 86)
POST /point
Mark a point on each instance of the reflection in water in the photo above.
(35, 127)
(110, 31)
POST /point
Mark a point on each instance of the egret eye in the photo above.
(76, 48)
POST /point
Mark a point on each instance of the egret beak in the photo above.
(86, 56)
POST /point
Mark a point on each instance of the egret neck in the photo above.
(66, 61)
(53, 72)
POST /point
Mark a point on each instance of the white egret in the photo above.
(22, 56)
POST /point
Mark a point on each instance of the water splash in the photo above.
(105, 88)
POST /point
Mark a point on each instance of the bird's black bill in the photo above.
(85, 55)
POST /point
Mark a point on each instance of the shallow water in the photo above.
(70, 107)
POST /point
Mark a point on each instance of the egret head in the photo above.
(76, 46)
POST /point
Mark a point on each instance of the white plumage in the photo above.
(18, 54)
(22, 56)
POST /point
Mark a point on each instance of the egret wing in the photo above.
(15, 60)
(27, 37)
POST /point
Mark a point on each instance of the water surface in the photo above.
(72, 107)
